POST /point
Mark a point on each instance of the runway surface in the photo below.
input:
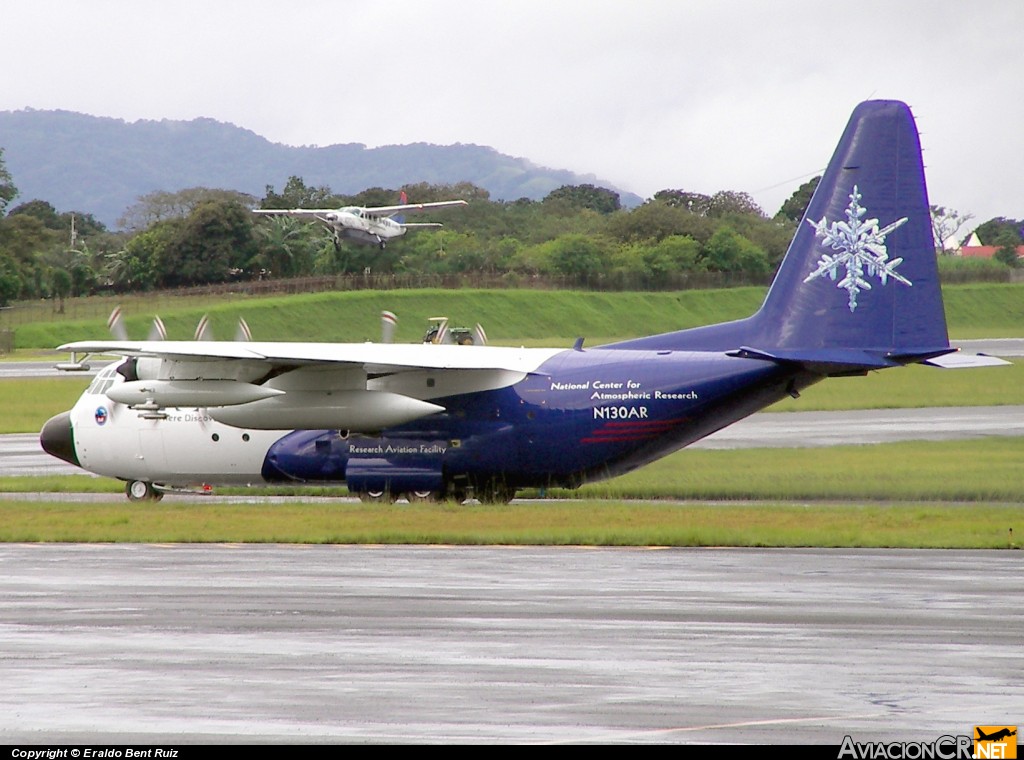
(16, 370)
(1003, 347)
(171, 644)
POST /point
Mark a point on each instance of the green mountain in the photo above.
(102, 166)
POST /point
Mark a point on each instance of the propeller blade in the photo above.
(442, 332)
(388, 323)
(243, 334)
(115, 323)
(203, 331)
(157, 331)
(479, 336)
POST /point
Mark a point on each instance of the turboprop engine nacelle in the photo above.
(189, 393)
(358, 411)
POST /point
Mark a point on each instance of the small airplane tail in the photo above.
(403, 199)
(859, 286)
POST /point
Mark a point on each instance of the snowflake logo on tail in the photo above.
(861, 247)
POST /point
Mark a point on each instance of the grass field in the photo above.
(963, 494)
(603, 523)
(986, 470)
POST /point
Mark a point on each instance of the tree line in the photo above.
(204, 236)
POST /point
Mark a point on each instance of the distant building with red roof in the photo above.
(974, 249)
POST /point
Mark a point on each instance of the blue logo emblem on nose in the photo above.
(101, 415)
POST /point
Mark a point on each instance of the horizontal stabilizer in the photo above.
(834, 359)
(966, 361)
(831, 361)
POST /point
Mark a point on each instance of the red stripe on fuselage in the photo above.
(632, 430)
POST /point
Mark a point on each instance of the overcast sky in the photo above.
(700, 95)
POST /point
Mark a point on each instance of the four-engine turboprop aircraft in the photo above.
(858, 290)
(372, 225)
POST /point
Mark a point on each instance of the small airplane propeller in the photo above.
(479, 336)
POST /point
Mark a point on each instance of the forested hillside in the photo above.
(101, 166)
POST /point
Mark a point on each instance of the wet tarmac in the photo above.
(306, 644)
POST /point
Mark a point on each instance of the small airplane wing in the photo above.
(410, 208)
(299, 213)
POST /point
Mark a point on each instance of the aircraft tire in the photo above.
(416, 497)
(141, 490)
(376, 497)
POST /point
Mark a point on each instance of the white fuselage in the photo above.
(355, 222)
(186, 447)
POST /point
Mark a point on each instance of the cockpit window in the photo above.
(102, 382)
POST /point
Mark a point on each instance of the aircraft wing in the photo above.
(410, 208)
(300, 213)
(375, 357)
(362, 387)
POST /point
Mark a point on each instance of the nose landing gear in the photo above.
(140, 490)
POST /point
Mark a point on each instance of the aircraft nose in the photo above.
(57, 438)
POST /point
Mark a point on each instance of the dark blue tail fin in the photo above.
(859, 285)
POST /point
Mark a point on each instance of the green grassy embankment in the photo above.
(511, 317)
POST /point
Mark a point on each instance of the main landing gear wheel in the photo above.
(140, 490)
(416, 497)
(374, 496)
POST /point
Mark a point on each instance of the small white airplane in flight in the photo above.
(372, 225)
